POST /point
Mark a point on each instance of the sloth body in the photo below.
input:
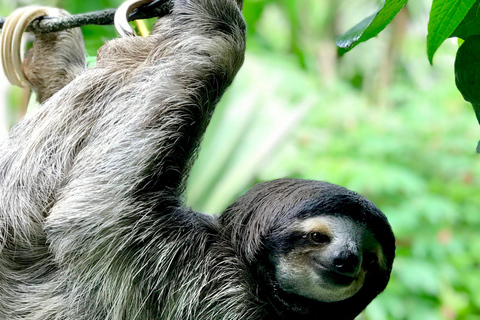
(92, 223)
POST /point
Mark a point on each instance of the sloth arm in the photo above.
(54, 61)
(157, 96)
(31, 158)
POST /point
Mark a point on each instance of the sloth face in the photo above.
(327, 258)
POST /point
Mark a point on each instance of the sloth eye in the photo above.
(318, 237)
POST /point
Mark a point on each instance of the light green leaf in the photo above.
(470, 25)
(370, 26)
(445, 16)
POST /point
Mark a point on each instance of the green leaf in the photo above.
(370, 26)
(470, 25)
(445, 17)
(467, 72)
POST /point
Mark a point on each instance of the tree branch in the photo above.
(157, 8)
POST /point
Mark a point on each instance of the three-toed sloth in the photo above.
(92, 221)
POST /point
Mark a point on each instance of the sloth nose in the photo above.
(346, 263)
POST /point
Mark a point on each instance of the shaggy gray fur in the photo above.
(82, 181)
(92, 222)
(55, 60)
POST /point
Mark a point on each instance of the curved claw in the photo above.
(121, 16)
(11, 39)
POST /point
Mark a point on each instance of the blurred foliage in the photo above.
(378, 120)
(447, 19)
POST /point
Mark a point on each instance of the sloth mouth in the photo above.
(340, 279)
(335, 277)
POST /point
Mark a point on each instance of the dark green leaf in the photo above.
(445, 17)
(370, 26)
(467, 72)
(470, 25)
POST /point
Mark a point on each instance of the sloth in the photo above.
(92, 217)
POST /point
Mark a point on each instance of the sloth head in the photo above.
(312, 246)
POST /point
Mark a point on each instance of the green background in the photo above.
(379, 120)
